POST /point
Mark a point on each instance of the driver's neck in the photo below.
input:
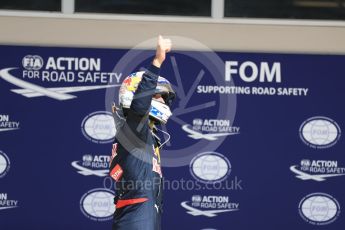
(151, 124)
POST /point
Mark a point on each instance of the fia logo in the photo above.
(32, 62)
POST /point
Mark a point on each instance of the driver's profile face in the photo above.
(158, 97)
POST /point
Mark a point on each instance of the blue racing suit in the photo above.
(135, 164)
